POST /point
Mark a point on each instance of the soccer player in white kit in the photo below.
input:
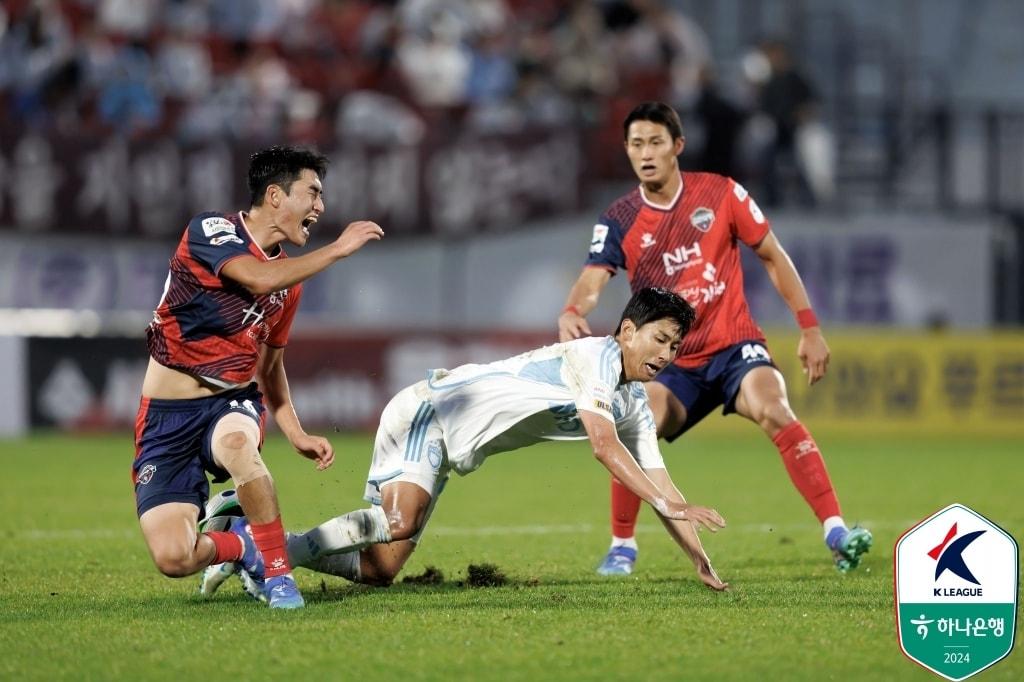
(588, 388)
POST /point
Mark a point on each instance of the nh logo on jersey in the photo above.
(755, 352)
(255, 311)
(956, 592)
(681, 258)
(702, 218)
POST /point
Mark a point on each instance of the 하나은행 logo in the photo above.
(956, 582)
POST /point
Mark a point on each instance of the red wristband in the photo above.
(571, 309)
(806, 318)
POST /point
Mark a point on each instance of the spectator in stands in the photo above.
(788, 99)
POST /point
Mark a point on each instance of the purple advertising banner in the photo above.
(150, 188)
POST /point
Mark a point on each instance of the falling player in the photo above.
(222, 322)
(583, 389)
(681, 231)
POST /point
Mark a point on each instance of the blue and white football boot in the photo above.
(618, 561)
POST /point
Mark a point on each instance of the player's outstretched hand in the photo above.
(356, 235)
(814, 354)
(572, 326)
(708, 576)
(697, 515)
(705, 516)
(316, 448)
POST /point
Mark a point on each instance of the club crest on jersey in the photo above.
(146, 475)
(702, 218)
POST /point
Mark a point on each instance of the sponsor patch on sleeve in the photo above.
(212, 226)
(755, 211)
(597, 241)
(740, 191)
(224, 239)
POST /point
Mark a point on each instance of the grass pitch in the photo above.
(79, 598)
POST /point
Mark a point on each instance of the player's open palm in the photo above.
(356, 235)
(316, 448)
(814, 355)
(705, 516)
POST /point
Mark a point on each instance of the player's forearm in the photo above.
(787, 282)
(286, 272)
(685, 535)
(274, 385)
(623, 467)
(586, 292)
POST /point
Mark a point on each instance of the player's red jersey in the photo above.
(212, 327)
(691, 248)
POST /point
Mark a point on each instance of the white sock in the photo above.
(832, 522)
(347, 533)
(624, 542)
(343, 565)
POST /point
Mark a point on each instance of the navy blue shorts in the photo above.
(172, 446)
(715, 383)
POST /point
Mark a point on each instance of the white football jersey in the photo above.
(509, 404)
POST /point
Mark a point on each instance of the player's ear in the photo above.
(628, 329)
(680, 143)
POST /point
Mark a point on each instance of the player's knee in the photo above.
(237, 453)
(172, 564)
(234, 442)
(402, 527)
(775, 416)
(380, 578)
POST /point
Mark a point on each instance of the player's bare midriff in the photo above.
(164, 383)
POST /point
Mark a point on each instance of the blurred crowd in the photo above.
(303, 70)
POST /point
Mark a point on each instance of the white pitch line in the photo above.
(476, 531)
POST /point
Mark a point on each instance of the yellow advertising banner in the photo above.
(913, 382)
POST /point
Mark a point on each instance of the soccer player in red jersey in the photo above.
(220, 327)
(681, 231)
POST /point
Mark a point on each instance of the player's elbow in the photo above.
(602, 454)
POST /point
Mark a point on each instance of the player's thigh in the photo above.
(762, 398)
(170, 532)
(234, 446)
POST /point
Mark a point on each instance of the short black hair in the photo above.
(281, 166)
(655, 112)
(657, 303)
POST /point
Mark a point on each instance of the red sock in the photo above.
(229, 546)
(625, 509)
(807, 469)
(270, 541)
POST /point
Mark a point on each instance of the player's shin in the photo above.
(345, 565)
(347, 533)
(807, 470)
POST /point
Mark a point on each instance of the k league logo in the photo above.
(956, 578)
